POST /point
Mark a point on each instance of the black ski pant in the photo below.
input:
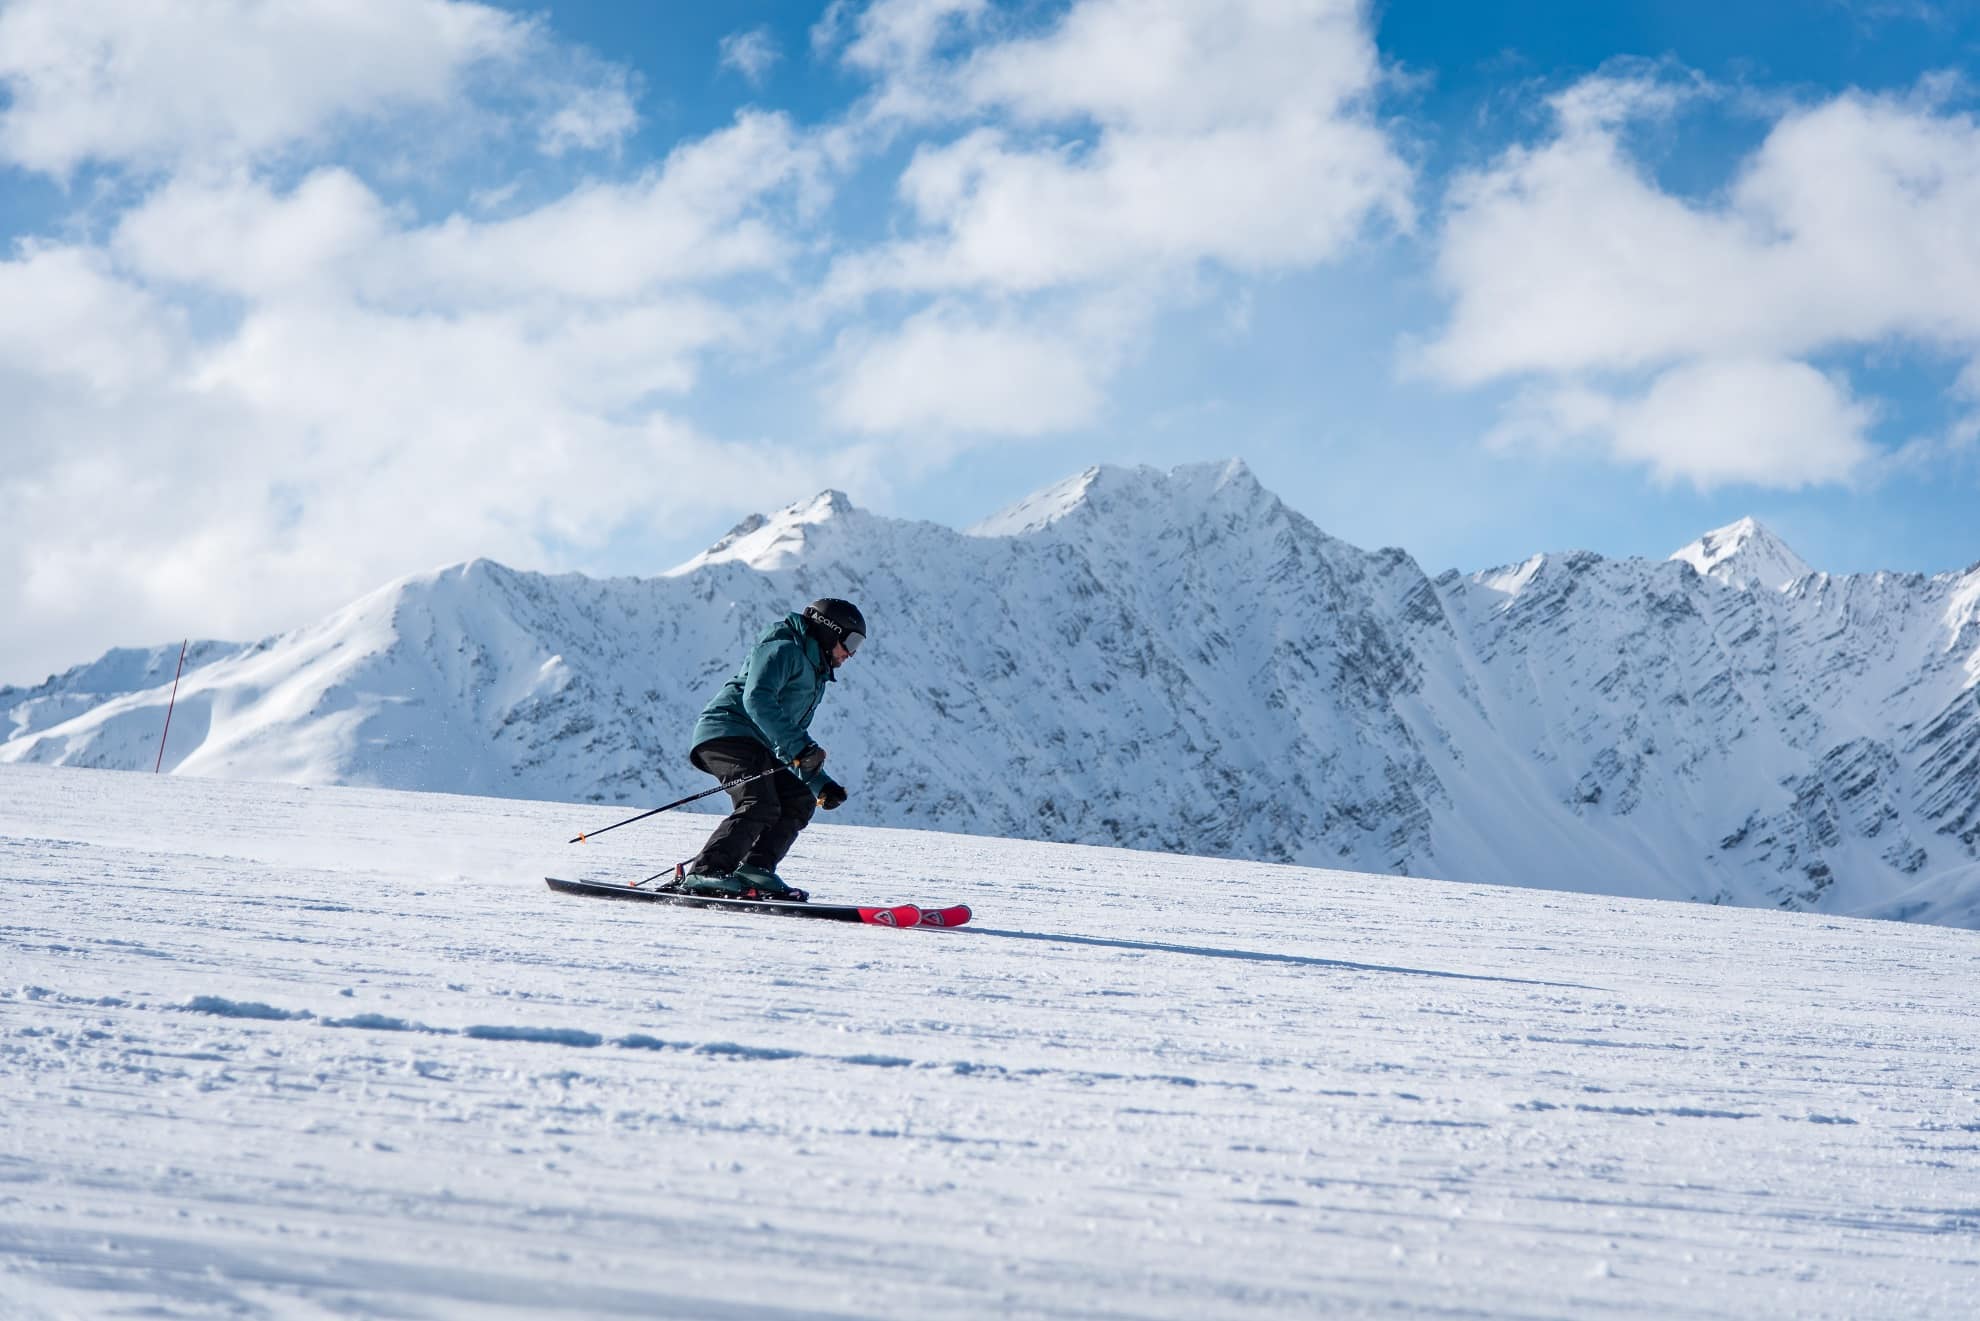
(768, 813)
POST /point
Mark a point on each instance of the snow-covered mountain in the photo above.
(1177, 661)
(1745, 554)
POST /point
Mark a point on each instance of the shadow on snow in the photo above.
(1262, 956)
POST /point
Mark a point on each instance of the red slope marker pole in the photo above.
(169, 705)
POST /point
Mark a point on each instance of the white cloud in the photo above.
(1569, 257)
(66, 319)
(717, 207)
(700, 217)
(1762, 422)
(239, 236)
(590, 118)
(367, 345)
(128, 80)
(896, 39)
(1627, 91)
(1229, 133)
(1850, 225)
(1124, 148)
(1770, 423)
(945, 372)
(751, 54)
(1181, 65)
(228, 82)
(1868, 205)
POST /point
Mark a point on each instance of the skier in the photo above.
(757, 722)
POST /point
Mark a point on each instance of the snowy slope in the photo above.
(273, 1050)
(82, 688)
(1178, 661)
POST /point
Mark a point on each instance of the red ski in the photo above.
(880, 915)
(953, 916)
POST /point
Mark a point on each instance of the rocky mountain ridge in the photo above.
(1174, 661)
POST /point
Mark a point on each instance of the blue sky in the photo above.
(295, 302)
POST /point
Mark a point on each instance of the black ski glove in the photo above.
(810, 759)
(831, 794)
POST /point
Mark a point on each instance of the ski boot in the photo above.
(766, 884)
(682, 882)
(745, 882)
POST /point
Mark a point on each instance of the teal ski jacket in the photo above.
(773, 696)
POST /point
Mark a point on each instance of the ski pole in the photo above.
(678, 802)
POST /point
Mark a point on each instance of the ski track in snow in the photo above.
(268, 1050)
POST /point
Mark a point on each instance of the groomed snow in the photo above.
(268, 1050)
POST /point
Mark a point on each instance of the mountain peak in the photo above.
(1104, 489)
(771, 541)
(1745, 554)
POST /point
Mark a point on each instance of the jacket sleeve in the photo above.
(772, 667)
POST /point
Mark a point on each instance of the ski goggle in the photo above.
(852, 642)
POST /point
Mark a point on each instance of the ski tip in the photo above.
(892, 915)
(953, 916)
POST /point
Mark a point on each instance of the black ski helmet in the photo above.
(841, 620)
